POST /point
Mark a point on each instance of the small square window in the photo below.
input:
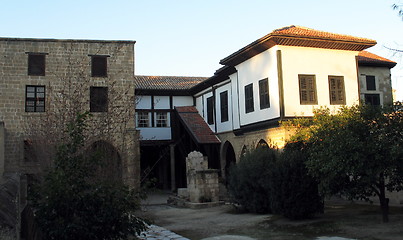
(372, 99)
(370, 81)
(161, 119)
(99, 66)
(34, 98)
(143, 119)
(98, 99)
(36, 64)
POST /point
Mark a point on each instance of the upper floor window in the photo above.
(99, 66)
(372, 99)
(98, 99)
(161, 119)
(36, 64)
(210, 110)
(307, 89)
(371, 84)
(224, 106)
(264, 93)
(143, 119)
(34, 98)
(249, 98)
(336, 90)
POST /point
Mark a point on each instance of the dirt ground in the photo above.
(345, 219)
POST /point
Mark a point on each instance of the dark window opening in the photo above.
(264, 93)
(34, 98)
(372, 99)
(99, 66)
(336, 90)
(370, 83)
(249, 98)
(98, 99)
(210, 110)
(307, 90)
(36, 64)
(224, 106)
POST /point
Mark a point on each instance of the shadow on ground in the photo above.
(341, 219)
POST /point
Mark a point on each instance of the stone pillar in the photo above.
(173, 180)
(2, 142)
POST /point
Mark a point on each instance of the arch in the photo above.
(109, 160)
(262, 144)
(228, 158)
(244, 151)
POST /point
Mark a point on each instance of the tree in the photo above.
(356, 152)
(72, 202)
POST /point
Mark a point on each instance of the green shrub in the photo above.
(248, 180)
(294, 193)
(72, 203)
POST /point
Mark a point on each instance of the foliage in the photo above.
(72, 203)
(356, 152)
(248, 182)
(294, 193)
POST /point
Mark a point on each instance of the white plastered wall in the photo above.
(321, 63)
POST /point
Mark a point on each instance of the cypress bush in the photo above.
(294, 193)
(248, 183)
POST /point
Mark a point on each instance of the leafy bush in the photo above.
(72, 203)
(294, 193)
(265, 181)
(248, 183)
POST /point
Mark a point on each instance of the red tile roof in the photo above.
(298, 36)
(196, 126)
(166, 82)
(369, 59)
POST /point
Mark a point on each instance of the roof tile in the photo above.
(166, 82)
(367, 58)
(196, 125)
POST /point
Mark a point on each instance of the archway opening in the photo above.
(229, 157)
(108, 159)
(262, 144)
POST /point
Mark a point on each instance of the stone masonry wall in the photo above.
(67, 81)
(202, 183)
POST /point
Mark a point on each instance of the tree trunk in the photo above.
(383, 201)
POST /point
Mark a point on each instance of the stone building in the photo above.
(45, 82)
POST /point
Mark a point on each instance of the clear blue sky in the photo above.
(189, 37)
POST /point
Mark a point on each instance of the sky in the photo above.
(190, 37)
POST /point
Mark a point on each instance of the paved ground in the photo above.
(204, 224)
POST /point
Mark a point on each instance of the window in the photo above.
(98, 99)
(372, 99)
(224, 106)
(35, 98)
(249, 98)
(210, 110)
(99, 66)
(143, 119)
(307, 89)
(370, 80)
(162, 119)
(264, 93)
(336, 90)
(36, 64)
